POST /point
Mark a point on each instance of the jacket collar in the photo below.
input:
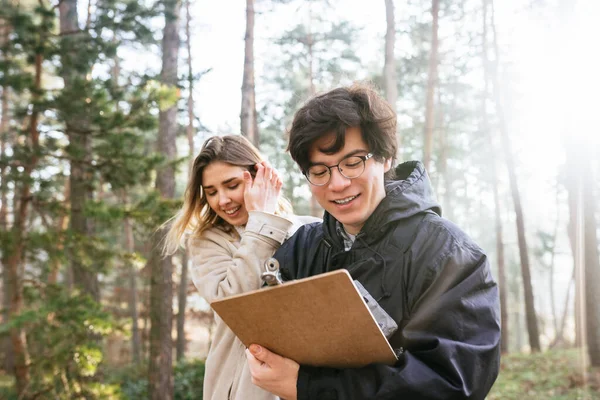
(407, 195)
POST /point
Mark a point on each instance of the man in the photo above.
(384, 226)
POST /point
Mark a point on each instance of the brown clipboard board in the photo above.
(318, 321)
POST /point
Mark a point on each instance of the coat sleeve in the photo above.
(218, 272)
(450, 342)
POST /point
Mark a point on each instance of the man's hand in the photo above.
(272, 372)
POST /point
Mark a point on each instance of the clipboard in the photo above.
(320, 321)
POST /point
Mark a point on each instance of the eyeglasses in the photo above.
(350, 168)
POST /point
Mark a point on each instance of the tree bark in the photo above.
(518, 316)
(431, 85)
(248, 120)
(3, 141)
(584, 243)
(190, 99)
(62, 224)
(591, 259)
(6, 296)
(571, 185)
(160, 375)
(504, 319)
(530, 314)
(553, 264)
(183, 281)
(389, 69)
(181, 301)
(561, 326)
(443, 172)
(16, 257)
(315, 208)
(84, 276)
(136, 341)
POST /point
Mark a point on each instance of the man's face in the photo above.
(350, 201)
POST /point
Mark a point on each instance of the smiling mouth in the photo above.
(232, 211)
(345, 200)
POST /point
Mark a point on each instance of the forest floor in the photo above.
(555, 375)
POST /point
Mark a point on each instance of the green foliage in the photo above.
(64, 333)
(188, 381)
(117, 116)
(100, 122)
(7, 390)
(555, 375)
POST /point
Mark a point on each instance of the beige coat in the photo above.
(224, 265)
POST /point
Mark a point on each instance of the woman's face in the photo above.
(223, 186)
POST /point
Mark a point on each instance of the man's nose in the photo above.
(338, 181)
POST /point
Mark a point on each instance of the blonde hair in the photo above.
(196, 216)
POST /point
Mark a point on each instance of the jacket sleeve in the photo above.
(217, 272)
(450, 342)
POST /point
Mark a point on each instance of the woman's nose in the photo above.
(223, 200)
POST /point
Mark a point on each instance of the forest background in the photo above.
(104, 103)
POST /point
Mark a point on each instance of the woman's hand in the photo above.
(262, 193)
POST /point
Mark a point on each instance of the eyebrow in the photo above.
(350, 154)
(225, 182)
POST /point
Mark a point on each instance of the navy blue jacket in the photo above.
(430, 277)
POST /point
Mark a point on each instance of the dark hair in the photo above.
(357, 105)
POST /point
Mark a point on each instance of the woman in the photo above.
(236, 219)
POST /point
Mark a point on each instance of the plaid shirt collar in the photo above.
(346, 237)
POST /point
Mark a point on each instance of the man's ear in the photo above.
(387, 164)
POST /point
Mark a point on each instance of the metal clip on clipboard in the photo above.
(272, 275)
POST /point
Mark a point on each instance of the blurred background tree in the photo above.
(104, 104)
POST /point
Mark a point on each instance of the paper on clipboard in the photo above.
(318, 321)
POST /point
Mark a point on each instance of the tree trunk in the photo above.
(584, 243)
(571, 178)
(183, 281)
(16, 256)
(181, 301)
(7, 349)
(591, 259)
(389, 69)
(61, 227)
(190, 99)
(504, 319)
(145, 332)
(3, 141)
(553, 264)
(565, 9)
(13, 266)
(310, 42)
(431, 84)
(518, 316)
(561, 326)
(6, 296)
(132, 273)
(315, 208)
(443, 172)
(530, 314)
(160, 375)
(77, 126)
(249, 124)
